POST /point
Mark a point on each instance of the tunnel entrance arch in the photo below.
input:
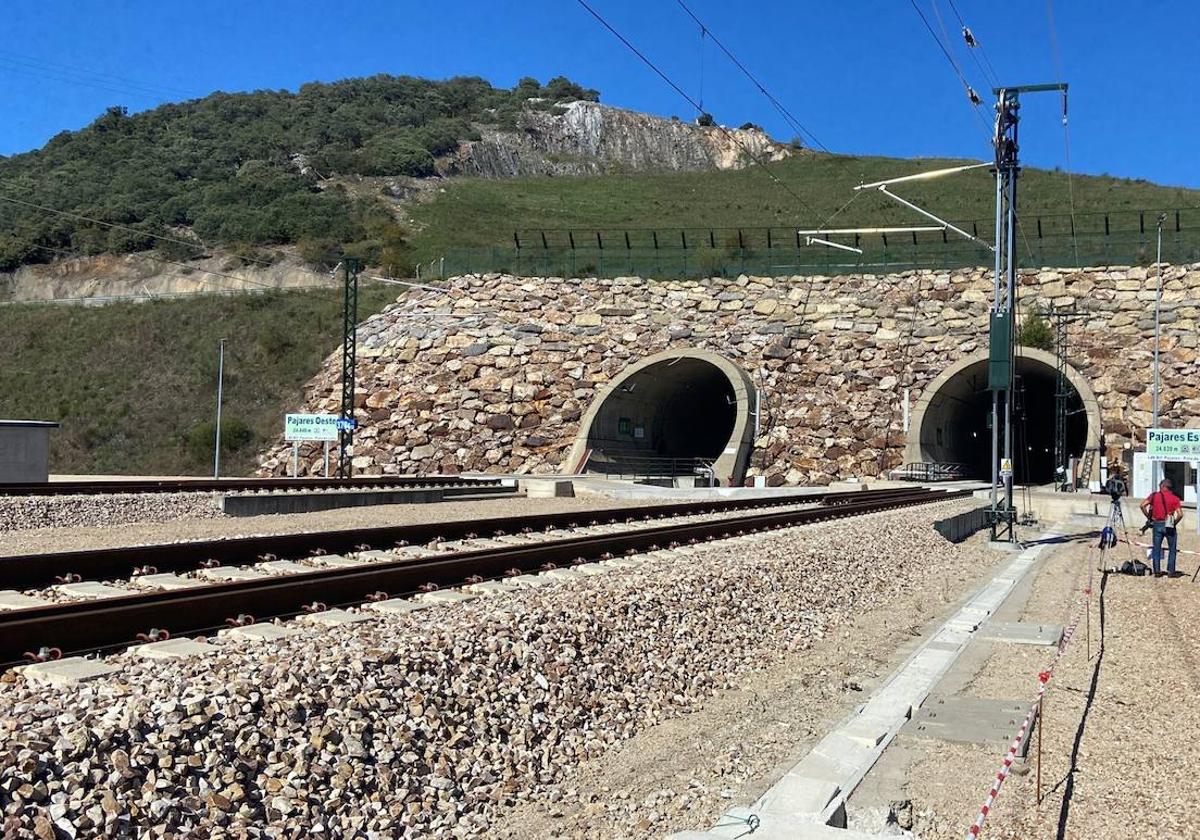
(670, 412)
(950, 420)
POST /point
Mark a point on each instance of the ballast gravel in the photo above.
(20, 513)
(435, 723)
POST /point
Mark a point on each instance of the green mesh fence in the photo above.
(1117, 238)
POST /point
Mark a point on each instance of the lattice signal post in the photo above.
(1000, 362)
(349, 360)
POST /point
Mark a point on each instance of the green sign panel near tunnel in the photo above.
(1000, 352)
(1173, 444)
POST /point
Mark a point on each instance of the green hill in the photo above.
(134, 384)
(245, 173)
(250, 169)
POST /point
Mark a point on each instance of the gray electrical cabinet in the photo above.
(25, 451)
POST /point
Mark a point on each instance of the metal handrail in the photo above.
(930, 471)
(634, 464)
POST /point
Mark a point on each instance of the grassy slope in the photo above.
(477, 212)
(129, 381)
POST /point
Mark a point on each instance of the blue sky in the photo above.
(863, 76)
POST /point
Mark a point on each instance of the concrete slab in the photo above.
(1021, 633)
(794, 795)
(165, 580)
(338, 561)
(283, 567)
(968, 720)
(260, 632)
(69, 671)
(593, 569)
(491, 587)
(564, 574)
(396, 606)
(518, 539)
(174, 649)
(623, 563)
(547, 489)
(480, 543)
(868, 730)
(333, 618)
(446, 596)
(228, 573)
(529, 581)
(11, 599)
(92, 590)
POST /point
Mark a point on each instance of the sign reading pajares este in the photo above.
(1173, 444)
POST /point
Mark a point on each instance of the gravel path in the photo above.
(217, 526)
(436, 723)
(1117, 766)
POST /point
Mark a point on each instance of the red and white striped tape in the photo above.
(1148, 545)
(1011, 755)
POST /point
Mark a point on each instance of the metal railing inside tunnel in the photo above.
(641, 466)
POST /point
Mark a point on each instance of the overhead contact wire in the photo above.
(699, 110)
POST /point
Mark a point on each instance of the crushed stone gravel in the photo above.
(437, 723)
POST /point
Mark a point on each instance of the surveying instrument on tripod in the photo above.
(1117, 488)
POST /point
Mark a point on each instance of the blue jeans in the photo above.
(1161, 530)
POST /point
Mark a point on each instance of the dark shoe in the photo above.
(1160, 574)
(1174, 574)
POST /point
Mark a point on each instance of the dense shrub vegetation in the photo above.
(246, 169)
(134, 384)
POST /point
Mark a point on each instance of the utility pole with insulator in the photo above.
(1002, 333)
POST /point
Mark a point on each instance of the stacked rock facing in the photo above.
(494, 373)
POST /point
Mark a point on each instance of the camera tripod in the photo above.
(1108, 538)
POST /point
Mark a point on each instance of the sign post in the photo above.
(300, 427)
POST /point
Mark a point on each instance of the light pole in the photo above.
(1155, 468)
(220, 390)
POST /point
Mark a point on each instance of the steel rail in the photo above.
(86, 626)
(237, 485)
(37, 570)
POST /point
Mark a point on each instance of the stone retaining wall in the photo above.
(494, 373)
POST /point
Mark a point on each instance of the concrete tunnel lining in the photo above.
(688, 404)
(946, 413)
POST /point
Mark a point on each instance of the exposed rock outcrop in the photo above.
(590, 139)
(495, 373)
(110, 275)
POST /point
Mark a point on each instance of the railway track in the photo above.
(202, 608)
(243, 485)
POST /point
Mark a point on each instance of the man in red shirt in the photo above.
(1164, 510)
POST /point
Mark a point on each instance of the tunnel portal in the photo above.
(675, 414)
(955, 426)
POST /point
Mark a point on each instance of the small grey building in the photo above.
(25, 451)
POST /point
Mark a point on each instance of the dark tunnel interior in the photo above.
(681, 408)
(956, 426)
